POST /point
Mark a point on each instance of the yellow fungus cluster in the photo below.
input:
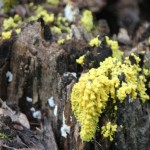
(137, 59)
(18, 30)
(56, 30)
(9, 24)
(6, 35)
(48, 18)
(53, 2)
(17, 18)
(87, 20)
(62, 23)
(115, 48)
(95, 42)
(109, 130)
(68, 37)
(80, 60)
(146, 72)
(41, 12)
(95, 88)
(61, 41)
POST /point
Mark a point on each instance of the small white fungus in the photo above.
(130, 99)
(70, 118)
(65, 128)
(71, 12)
(66, 74)
(37, 114)
(32, 109)
(55, 110)
(29, 99)
(51, 102)
(9, 76)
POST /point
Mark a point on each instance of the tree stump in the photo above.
(45, 70)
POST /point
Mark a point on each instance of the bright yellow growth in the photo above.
(48, 18)
(18, 31)
(68, 37)
(137, 59)
(90, 95)
(6, 35)
(17, 18)
(87, 20)
(95, 42)
(41, 12)
(62, 23)
(146, 72)
(61, 41)
(109, 130)
(9, 24)
(32, 18)
(31, 4)
(56, 30)
(53, 2)
(115, 48)
(80, 60)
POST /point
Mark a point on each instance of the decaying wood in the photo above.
(38, 69)
(42, 70)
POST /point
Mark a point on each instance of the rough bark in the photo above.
(38, 69)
